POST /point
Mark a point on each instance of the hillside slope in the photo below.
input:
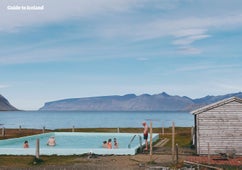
(5, 105)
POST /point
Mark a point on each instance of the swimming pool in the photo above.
(74, 143)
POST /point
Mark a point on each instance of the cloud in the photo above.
(206, 67)
(55, 11)
(142, 59)
(185, 38)
(33, 56)
(2, 86)
(113, 22)
(189, 50)
(184, 30)
(189, 32)
(230, 87)
(189, 39)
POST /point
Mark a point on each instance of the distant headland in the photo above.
(5, 105)
(132, 102)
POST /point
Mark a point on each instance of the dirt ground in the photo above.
(139, 162)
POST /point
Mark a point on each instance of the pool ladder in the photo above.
(140, 141)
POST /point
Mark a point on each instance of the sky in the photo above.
(86, 48)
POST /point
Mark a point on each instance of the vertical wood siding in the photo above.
(221, 127)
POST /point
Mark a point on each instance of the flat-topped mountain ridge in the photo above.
(132, 102)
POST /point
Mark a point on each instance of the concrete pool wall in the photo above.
(74, 143)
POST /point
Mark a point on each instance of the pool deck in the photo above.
(32, 151)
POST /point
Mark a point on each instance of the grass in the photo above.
(182, 137)
(30, 161)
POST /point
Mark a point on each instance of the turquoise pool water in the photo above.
(70, 143)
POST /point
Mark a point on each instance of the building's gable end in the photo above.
(217, 104)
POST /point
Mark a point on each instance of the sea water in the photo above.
(70, 119)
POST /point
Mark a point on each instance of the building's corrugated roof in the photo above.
(217, 104)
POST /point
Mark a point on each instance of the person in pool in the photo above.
(105, 144)
(115, 143)
(26, 144)
(51, 141)
(109, 143)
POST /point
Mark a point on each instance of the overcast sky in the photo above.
(84, 48)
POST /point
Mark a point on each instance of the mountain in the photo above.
(5, 105)
(211, 99)
(131, 102)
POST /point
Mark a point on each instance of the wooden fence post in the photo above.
(3, 131)
(151, 148)
(177, 153)
(37, 148)
(173, 141)
(163, 128)
(43, 129)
